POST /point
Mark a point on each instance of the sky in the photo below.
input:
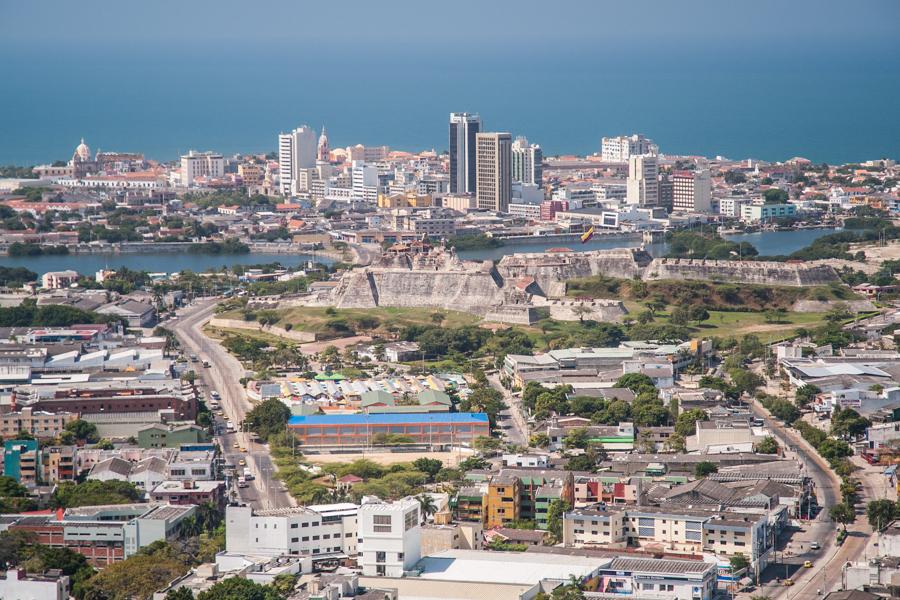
(765, 78)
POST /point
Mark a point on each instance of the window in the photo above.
(305, 525)
(380, 557)
(399, 556)
(315, 537)
(293, 526)
(305, 538)
(381, 523)
(295, 540)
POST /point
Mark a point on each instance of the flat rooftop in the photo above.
(505, 567)
(390, 419)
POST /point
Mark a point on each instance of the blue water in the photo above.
(826, 100)
(88, 264)
(777, 243)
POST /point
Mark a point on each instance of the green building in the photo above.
(22, 460)
(159, 435)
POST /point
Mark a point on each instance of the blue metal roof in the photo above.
(389, 419)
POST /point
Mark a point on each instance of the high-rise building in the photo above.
(390, 537)
(623, 147)
(364, 178)
(494, 171)
(201, 164)
(464, 127)
(691, 191)
(526, 162)
(297, 150)
(642, 185)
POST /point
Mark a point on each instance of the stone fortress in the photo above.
(514, 288)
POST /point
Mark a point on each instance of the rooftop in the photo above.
(505, 567)
(389, 419)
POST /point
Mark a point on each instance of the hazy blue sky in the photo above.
(762, 78)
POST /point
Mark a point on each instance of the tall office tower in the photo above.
(666, 191)
(623, 147)
(494, 171)
(526, 162)
(642, 185)
(691, 191)
(296, 151)
(463, 129)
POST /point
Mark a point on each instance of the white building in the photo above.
(390, 536)
(201, 164)
(753, 213)
(691, 191)
(54, 280)
(731, 206)
(527, 162)
(15, 584)
(621, 148)
(364, 181)
(642, 185)
(326, 530)
(297, 150)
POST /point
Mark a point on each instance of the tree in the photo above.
(680, 316)
(181, 593)
(473, 463)
(843, 514)
(429, 466)
(577, 437)
(676, 443)
(12, 544)
(426, 506)
(9, 487)
(95, 493)
(704, 468)
(634, 381)
(745, 381)
(486, 444)
(880, 513)
(555, 512)
(767, 446)
(848, 423)
(685, 423)
(539, 440)
(699, 314)
(139, 576)
(739, 562)
(239, 588)
(83, 431)
(582, 462)
(805, 394)
(268, 417)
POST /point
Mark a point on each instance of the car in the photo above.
(243, 449)
(236, 445)
(787, 582)
(242, 462)
(807, 564)
(814, 545)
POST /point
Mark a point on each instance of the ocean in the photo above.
(827, 102)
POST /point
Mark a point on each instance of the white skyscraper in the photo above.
(623, 147)
(364, 181)
(463, 129)
(526, 162)
(297, 150)
(494, 180)
(691, 191)
(200, 164)
(642, 185)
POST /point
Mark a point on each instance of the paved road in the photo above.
(826, 573)
(511, 421)
(223, 375)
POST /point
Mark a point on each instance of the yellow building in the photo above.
(502, 501)
(251, 174)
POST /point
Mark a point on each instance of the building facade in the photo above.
(390, 537)
(297, 151)
(642, 185)
(464, 127)
(621, 148)
(323, 531)
(493, 187)
(365, 429)
(201, 165)
(527, 162)
(691, 191)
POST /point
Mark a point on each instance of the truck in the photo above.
(229, 426)
(248, 476)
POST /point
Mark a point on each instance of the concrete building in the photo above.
(54, 280)
(754, 213)
(464, 128)
(362, 430)
(22, 461)
(41, 424)
(494, 179)
(364, 178)
(459, 202)
(527, 162)
(207, 165)
(59, 463)
(321, 531)
(691, 191)
(190, 493)
(390, 537)
(621, 148)
(642, 185)
(161, 435)
(15, 584)
(297, 150)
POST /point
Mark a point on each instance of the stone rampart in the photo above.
(748, 272)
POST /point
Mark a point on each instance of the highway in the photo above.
(223, 375)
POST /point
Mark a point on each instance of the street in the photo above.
(223, 375)
(511, 421)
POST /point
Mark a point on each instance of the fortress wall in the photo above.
(749, 272)
(550, 271)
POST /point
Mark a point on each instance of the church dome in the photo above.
(82, 152)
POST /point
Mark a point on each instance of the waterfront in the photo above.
(769, 243)
(87, 264)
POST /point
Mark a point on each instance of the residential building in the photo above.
(297, 151)
(193, 465)
(463, 202)
(39, 423)
(22, 461)
(621, 148)
(642, 185)
(187, 492)
(499, 499)
(196, 165)
(136, 314)
(15, 584)
(145, 474)
(321, 531)
(610, 437)
(464, 128)
(494, 184)
(54, 280)
(364, 182)
(59, 463)
(361, 430)
(658, 578)
(691, 191)
(527, 162)
(754, 213)
(111, 398)
(390, 537)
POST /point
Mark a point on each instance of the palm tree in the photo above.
(426, 506)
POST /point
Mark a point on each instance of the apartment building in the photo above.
(59, 463)
(390, 537)
(323, 531)
(493, 188)
(41, 424)
(22, 461)
(196, 165)
(642, 184)
(691, 191)
(622, 147)
(498, 499)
